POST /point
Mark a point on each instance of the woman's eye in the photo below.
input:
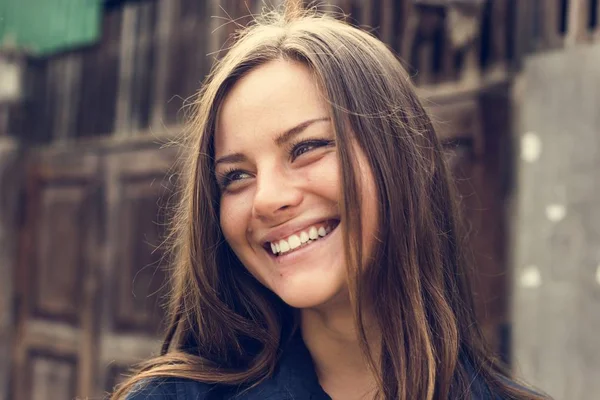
(306, 146)
(233, 176)
(301, 149)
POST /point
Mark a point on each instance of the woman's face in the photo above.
(277, 166)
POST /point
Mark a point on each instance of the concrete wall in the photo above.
(556, 230)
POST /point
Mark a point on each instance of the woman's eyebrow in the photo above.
(231, 159)
(296, 130)
(279, 140)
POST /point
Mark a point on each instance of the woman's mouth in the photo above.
(301, 239)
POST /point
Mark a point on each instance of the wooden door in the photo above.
(139, 191)
(57, 275)
(89, 278)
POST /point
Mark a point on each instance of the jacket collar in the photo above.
(294, 378)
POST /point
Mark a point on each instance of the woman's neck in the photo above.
(331, 338)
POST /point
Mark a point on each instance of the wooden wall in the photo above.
(90, 122)
(154, 54)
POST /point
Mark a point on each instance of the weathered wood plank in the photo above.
(140, 72)
(447, 59)
(500, 15)
(198, 30)
(387, 10)
(100, 72)
(10, 190)
(405, 25)
(4, 118)
(136, 68)
(596, 33)
(66, 74)
(424, 62)
(167, 10)
(523, 30)
(550, 11)
(126, 69)
(426, 43)
(366, 14)
(578, 14)
(132, 275)
(144, 63)
(58, 249)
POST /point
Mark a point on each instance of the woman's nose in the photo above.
(276, 195)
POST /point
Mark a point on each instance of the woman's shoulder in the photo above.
(293, 378)
(175, 389)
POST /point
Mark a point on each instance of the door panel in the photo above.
(52, 376)
(60, 244)
(138, 189)
(58, 259)
(139, 273)
(90, 278)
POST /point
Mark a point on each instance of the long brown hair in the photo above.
(226, 328)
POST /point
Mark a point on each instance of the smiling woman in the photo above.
(317, 250)
(280, 182)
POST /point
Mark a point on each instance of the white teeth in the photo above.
(284, 246)
(304, 237)
(294, 241)
(297, 240)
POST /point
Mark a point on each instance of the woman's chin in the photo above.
(310, 296)
(301, 302)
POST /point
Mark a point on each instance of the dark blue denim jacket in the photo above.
(294, 379)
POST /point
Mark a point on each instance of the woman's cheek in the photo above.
(325, 175)
(234, 215)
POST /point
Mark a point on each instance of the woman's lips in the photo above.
(303, 249)
(301, 238)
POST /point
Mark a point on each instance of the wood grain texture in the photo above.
(153, 55)
(10, 196)
(552, 19)
(166, 11)
(474, 130)
(138, 189)
(100, 79)
(578, 14)
(58, 250)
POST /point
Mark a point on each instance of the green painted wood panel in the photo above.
(42, 27)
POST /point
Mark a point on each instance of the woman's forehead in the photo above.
(269, 100)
